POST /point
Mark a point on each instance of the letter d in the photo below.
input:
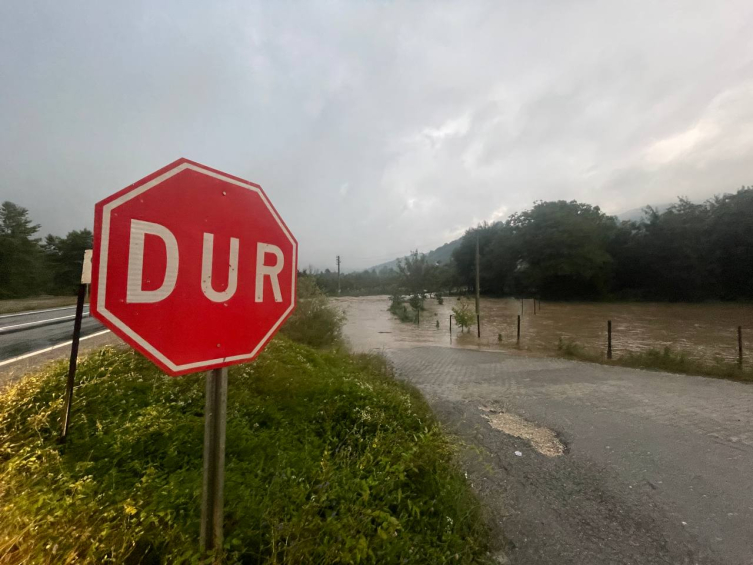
(135, 292)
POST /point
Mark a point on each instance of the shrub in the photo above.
(329, 460)
(464, 316)
(398, 308)
(316, 321)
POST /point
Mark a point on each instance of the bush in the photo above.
(316, 321)
(329, 460)
(398, 308)
(464, 316)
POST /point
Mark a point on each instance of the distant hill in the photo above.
(441, 254)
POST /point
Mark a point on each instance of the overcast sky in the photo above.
(377, 127)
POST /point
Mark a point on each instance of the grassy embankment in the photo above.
(329, 460)
(665, 359)
(11, 306)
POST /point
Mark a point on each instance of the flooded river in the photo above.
(702, 331)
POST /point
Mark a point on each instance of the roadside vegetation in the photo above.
(665, 359)
(37, 303)
(329, 460)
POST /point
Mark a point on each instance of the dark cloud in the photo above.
(377, 127)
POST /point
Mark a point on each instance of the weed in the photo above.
(315, 321)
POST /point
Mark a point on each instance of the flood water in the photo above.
(702, 331)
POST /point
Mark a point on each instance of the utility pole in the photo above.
(338, 274)
(478, 313)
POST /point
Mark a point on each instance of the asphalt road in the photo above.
(657, 468)
(30, 331)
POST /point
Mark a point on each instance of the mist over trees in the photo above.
(30, 266)
(573, 251)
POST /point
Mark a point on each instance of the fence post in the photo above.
(518, 329)
(740, 346)
(609, 339)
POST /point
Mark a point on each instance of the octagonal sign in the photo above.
(192, 267)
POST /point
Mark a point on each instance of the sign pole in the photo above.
(85, 280)
(215, 415)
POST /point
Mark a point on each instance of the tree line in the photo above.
(555, 250)
(571, 250)
(29, 265)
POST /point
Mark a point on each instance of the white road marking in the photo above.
(46, 349)
(36, 323)
(36, 312)
(44, 322)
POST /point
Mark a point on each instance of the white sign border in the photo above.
(103, 254)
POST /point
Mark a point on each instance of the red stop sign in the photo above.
(192, 267)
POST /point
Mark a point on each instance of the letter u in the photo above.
(206, 270)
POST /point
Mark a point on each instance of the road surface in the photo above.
(23, 335)
(654, 467)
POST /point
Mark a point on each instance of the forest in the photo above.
(30, 266)
(573, 251)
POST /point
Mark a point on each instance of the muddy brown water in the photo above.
(702, 331)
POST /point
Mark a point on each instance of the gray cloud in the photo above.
(377, 127)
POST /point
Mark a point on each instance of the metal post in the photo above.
(450, 325)
(609, 339)
(215, 415)
(740, 345)
(73, 361)
(518, 329)
(478, 324)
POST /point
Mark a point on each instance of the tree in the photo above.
(562, 249)
(64, 257)
(464, 315)
(21, 272)
(730, 243)
(416, 273)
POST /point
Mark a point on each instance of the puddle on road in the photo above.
(542, 439)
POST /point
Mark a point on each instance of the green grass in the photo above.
(665, 359)
(329, 460)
